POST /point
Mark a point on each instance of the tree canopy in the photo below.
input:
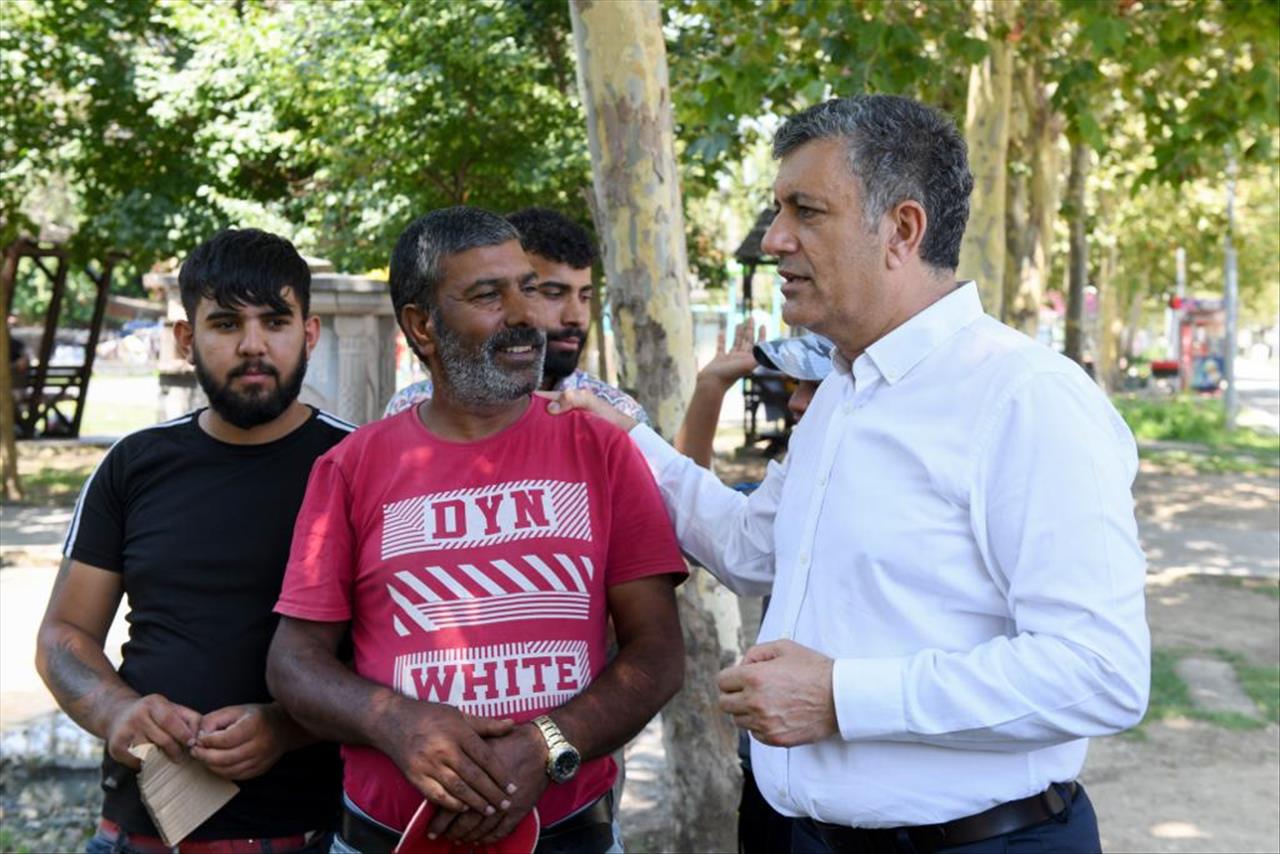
(143, 125)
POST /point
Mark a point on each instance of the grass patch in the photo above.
(1213, 461)
(121, 403)
(1170, 696)
(1260, 682)
(1198, 420)
(49, 487)
(1202, 422)
(1265, 586)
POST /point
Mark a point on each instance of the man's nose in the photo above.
(800, 400)
(525, 309)
(576, 313)
(253, 339)
(778, 239)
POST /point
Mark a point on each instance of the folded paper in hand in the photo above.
(179, 796)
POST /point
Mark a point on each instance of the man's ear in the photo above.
(419, 329)
(311, 329)
(183, 336)
(908, 222)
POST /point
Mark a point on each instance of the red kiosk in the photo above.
(1202, 342)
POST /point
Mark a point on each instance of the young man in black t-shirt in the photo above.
(193, 519)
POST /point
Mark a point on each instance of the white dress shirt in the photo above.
(954, 526)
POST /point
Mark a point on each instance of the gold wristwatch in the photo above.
(563, 758)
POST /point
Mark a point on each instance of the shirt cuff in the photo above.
(868, 697)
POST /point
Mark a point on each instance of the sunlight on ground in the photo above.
(1177, 830)
(1172, 576)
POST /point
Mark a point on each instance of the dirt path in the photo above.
(1181, 785)
(1187, 785)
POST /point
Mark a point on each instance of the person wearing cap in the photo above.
(804, 360)
(950, 544)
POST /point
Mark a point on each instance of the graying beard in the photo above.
(474, 379)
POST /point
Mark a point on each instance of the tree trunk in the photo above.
(10, 486)
(1019, 231)
(1039, 151)
(1136, 294)
(1110, 324)
(986, 130)
(622, 75)
(1078, 264)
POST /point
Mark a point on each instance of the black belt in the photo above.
(997, 821)
(579, 832)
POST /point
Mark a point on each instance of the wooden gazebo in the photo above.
(750, 255)
(49, 399)
(763, 389)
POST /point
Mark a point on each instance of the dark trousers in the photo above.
(761, 828)
(1073, 831)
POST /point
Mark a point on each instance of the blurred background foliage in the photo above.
(141, 126)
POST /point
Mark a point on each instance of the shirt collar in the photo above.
(574, 380)
(894, 355)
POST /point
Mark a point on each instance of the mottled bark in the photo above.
(1110, 323)
(10, 486)
(622, 74)
(986, 130)
(1078, 263)
(1135, 295)
(1033, 200)
(1019, 231)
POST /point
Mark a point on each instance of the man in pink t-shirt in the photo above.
(476, 547)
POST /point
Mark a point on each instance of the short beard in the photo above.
(560, 364)
(471, 372)
(249, 411)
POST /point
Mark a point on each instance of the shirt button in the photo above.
(848, 408)
(822, 481)
(804, 560)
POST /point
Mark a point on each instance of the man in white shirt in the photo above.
(950, 545)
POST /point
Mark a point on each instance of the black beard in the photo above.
(249, 411)
(559, 364)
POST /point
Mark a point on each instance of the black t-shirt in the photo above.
(201, 531)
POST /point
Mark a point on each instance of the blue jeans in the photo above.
(1074, 831)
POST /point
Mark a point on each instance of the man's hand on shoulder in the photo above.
(444, 753)
(524, 752)
(243, 742)
(781, 693)
(154, 719)
(578, 398)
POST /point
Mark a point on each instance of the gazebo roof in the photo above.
(749, 252)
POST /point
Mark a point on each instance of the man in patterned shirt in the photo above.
(562, 254)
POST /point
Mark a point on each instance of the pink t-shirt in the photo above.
(475, 574)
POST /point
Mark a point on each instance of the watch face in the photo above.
(565, 764)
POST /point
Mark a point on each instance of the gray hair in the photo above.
(898, 149)
(420, 252)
